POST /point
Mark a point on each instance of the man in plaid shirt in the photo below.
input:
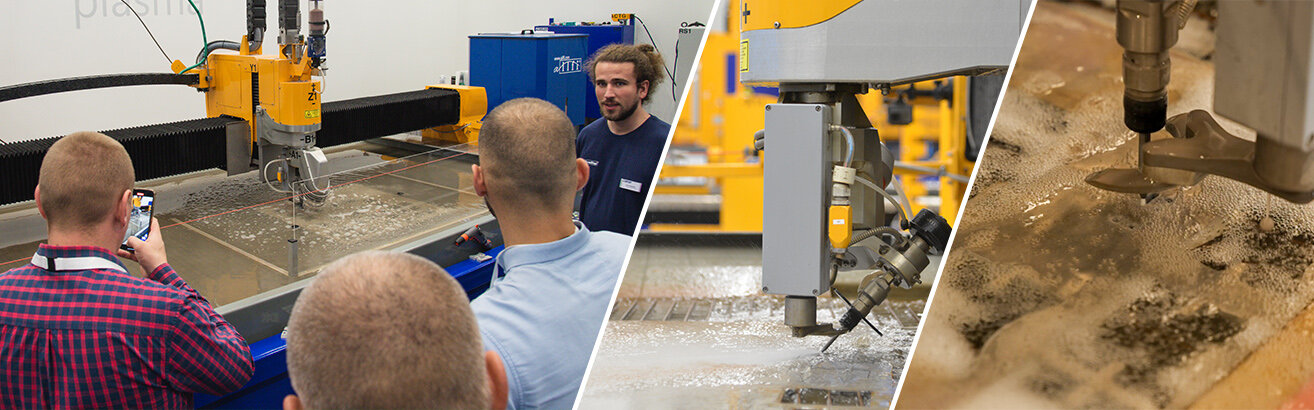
(77, 331)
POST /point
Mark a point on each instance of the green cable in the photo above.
(205, 41)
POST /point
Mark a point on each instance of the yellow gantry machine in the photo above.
(278, 95)
(927, 120)
(264, 112)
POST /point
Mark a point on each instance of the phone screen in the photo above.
(139, 220)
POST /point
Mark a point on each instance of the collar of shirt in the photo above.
(518, 255)
(73, 258)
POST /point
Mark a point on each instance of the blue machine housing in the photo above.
(600, 35)
(547, 66)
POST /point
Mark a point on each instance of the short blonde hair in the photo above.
(83, 176)
(385, 330)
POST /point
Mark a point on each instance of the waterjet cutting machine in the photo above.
(264, 112)
(1263, 79)
(830, 193)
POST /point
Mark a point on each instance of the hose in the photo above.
(264, 174)
(902, 216)
(217, 45)
(204, 39)
(1184, 12)
(939, 172)
(848, 141)
(881, 230)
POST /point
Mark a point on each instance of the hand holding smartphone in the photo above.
(139, 219)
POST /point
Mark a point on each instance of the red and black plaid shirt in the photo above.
(104, 338)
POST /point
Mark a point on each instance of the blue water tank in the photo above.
(541, 65)
(600, 35)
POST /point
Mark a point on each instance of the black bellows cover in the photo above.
(379, 116)
(157, 151)
(187, 146)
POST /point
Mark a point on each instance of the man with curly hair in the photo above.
(624, 147)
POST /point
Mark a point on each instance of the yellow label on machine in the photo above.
(312, 113)
(743, 55)
(621, 16)
(841, 226)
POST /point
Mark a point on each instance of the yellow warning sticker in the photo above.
(312, 113)
(743, 55)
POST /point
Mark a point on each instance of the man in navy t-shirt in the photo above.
(623, 148)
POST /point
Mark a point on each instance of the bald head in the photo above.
(83, 176)
(527, 147)
(385, 330)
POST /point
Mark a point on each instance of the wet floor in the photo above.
(690, 329)
(229, 236)
(1057, 294)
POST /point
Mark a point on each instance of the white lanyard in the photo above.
(74, 264)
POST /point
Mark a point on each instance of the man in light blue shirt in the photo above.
(544, 315)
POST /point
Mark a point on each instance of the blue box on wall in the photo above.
(600, 35)
(541, 65)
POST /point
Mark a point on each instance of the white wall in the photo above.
(374, 47)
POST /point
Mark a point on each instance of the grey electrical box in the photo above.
(798, 166)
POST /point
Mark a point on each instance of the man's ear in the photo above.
(497, 385)
(124, 210)
(643, 89)
(37, 195)
(480, 186)
(292, 402)
(581, 173)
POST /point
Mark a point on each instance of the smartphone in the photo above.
(139, 219)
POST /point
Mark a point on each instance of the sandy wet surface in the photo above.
(691, 330)
(1057, 294)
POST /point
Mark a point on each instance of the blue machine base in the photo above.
(270, 383)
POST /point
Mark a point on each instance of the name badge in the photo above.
(631, 185)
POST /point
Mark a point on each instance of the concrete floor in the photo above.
(228, 236)
(690, 329)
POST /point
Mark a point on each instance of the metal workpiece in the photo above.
(967, 38)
